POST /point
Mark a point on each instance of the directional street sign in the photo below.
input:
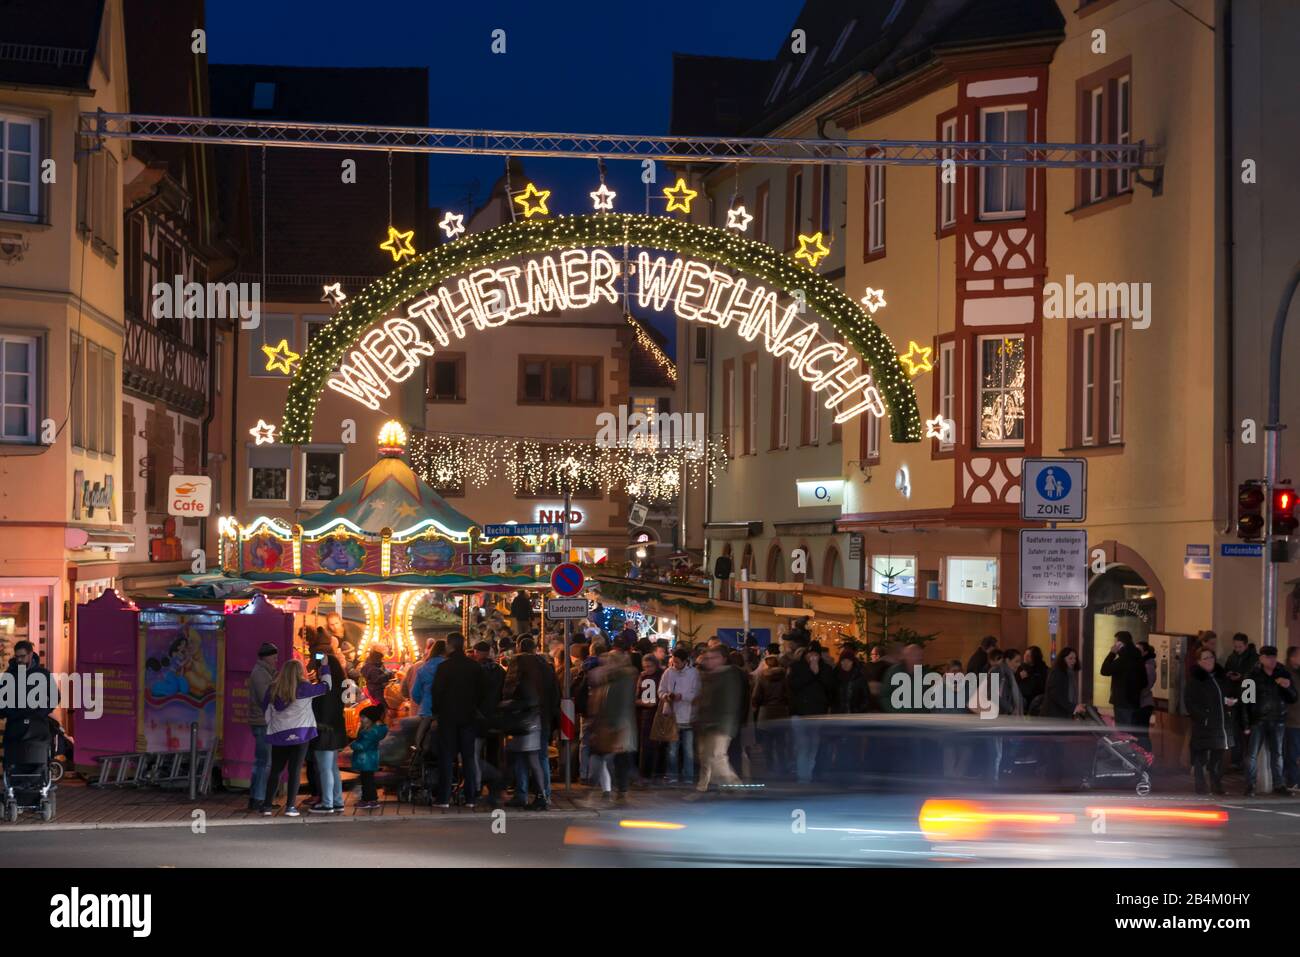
(544, 528)
(567, 580)
(559, 609)
(512, 558)
(1054, 490)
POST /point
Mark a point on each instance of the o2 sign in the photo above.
(817, 493)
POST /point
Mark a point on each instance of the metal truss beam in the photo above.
(668, 149)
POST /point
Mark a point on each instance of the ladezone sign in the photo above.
(486, 298)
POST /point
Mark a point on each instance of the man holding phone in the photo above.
(1272, 690)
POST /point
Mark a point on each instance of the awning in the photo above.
(82, 539)
(722, 530)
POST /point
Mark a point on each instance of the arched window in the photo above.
(776, 573)
(810, 563)
(832, 571)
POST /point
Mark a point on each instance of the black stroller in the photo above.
(1120, 761)
(31, 768)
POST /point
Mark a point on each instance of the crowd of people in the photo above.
(695, 715)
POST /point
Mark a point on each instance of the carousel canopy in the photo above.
(388, 531)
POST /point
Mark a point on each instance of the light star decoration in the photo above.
(812, 249)
(280, 358)
(530, 208)
(916, 365)
(603, 198)
(398, 244)
(938, 428)
(680, 196)
(263, 432)
(334, 293)
(453, 224)
(738, 218)
(874, 299)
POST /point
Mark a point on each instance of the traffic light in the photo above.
(1250, 511)
(1284, 520)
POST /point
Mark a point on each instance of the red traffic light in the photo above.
(1284, 519)
(1250, 511)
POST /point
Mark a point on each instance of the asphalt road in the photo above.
(1264, 832)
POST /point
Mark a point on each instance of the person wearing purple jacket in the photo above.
(290, 726)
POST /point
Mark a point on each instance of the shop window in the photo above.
(1001, 391)
(322, 475)
(18, 379)
(894, 575)
(268, 474)
(971, 581)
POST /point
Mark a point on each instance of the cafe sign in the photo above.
(90, 497)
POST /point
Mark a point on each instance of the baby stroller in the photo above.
(31, 773)
(416, 771)
(1119, 760)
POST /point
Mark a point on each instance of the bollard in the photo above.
(194, 759)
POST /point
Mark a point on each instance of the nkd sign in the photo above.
(486, 298)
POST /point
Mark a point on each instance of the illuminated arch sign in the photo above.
(522, 269)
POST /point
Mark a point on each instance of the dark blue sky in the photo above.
(572, 66)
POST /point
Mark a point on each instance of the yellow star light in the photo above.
(917, 365)
(398, 244)
(812, 249)
(680, 196)
(263, 432)
(531, 208)
(280, 358)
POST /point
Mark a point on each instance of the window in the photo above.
(972, 581)
(107, 404)
(947, 191)
(263, 96)
(1002, 188)
(1088, 386)
(1096, 134)
(843, 39)
(273, 330)
(322, 475)
(832, 570)
(875, 210)
(804, 67)
(1002, 390)
(871, 425)
(729, 407)
(780, 404)
(19, 160)
(701, 340)
(268, 474)
(446, 372)
(893, 574)
(18, 389)
(760, 212)
(1115, 377)
(794, 208)
(811, 414)
(312, 326)
(778, 83)
(97, 198)
(1124, 127)
(136, 266)
(948, 389)
(557, 380)
(749, 402)
(94, 387)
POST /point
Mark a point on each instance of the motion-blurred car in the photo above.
(923, 790)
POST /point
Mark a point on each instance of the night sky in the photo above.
(576, 66)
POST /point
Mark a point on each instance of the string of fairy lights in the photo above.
(540, 232)
(647, 471)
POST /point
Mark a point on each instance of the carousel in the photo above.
(389, 540)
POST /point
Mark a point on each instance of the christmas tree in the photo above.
(879, 619)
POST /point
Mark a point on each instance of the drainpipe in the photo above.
(207, 423)
(1229, 185)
